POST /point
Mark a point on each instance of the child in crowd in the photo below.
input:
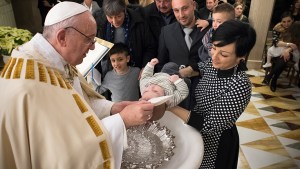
(122, 81)
(162, 84)
(221, 13)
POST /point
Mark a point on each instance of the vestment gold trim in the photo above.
(106, 165)
(80, 104)
(68, 84)
(10, 68)
(60, 80)
(18, 68)
(94, 125)
(52, 76)
(5, 67)
(42, 73)
(29, 69)
(105, 150)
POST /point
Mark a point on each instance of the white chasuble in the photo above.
(45, 123)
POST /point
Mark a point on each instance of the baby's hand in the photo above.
(173, 78)
(154, 61)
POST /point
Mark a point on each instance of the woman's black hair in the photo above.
(287, 14)
(234, 31)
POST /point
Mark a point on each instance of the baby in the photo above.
(162, 84)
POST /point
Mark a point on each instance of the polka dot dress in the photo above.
(221, 97)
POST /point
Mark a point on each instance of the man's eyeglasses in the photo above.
(90, 41)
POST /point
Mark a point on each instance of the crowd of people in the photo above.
(194, 51)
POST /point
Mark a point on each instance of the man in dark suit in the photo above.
(206, 12)
(158, 14)
(173, 46)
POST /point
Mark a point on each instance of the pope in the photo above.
(49, 116)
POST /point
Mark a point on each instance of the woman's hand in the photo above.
(293, 46)
(186, 72)
(286, 54)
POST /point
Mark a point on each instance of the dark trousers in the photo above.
(228, 149)
(276, 70)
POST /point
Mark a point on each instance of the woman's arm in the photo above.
(181, 113)
(275, 38)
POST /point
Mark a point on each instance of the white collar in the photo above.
(48, 52)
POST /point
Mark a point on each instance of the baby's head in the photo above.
(152, 91)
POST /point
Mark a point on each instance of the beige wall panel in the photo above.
(260, 17)
(6, 14)
(27, 15)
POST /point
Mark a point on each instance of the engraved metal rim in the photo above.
(167, 141)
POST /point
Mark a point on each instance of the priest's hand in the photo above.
(137, 113)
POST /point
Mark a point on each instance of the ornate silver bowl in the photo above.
(149, 146)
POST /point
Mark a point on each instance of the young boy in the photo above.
(122, 81)
(162, 84)
(221, 13)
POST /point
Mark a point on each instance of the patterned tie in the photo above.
(187, 38)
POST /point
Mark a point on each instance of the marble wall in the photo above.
(259, 17)
(7, 17)
(27, 15)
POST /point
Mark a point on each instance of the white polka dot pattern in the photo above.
(220, 101)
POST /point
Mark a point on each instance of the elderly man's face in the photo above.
(116, 20)
(184, 12)
(79, 39)
(164, 6)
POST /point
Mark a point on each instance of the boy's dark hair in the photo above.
(119, 48)
(233, 31)
(225, 8)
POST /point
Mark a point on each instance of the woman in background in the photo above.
(239, 9)
(282, 51)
